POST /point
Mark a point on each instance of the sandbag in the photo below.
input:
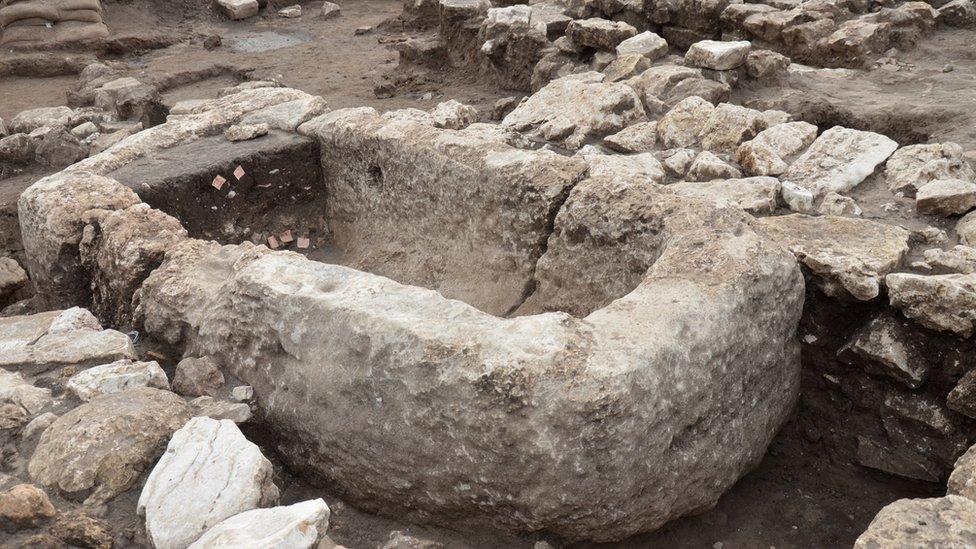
(52, 10)
(31, 22)
(66, 32)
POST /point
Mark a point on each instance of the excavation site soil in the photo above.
(478, 273)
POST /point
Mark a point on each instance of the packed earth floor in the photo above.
(477, 273)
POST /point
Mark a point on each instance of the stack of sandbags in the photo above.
(28, 22)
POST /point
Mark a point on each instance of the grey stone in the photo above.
(756, 195)
(244, 132)
(885, 346)
(839, 160)
(198, 377)
(116, 377)
(719, 56)
(910, 523)
(647, 44)
(707, 166)
(601, 34)
(940, 302)
(946, 197)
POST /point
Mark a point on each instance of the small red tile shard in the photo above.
(218, 182)
(286, 236)
(303, 242)
(239, 173)
(273, 242)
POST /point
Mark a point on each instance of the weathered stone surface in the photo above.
(29, 120)
(242, 393)
(38, 425)
(599, 109)
(51, 214)
(118, 250)
(838, 204)
(966, 229)
(719, 56)
(598, 33)
(206, 406)
(849, 256)
(101, 448)
(539, 354)
(245, 132)
(710, 90)
(766, 64)
(756, 195)
(40, 342)
(82, 531)
(683, 124)
(946, 197)
(208, 473)
(17, 149)
(330, 10)
(453, 115)
(14, 389)
(625, 66)
(401, 540)
(658, 81)
(198, 377)
(289, 114)
(296, 526)
(959, 13)
(640, 137)
(24, 506)
(941, 302)
(839, 160)
(647, 44)
(677, 161)
(12, 278)
(707, 166)
(239, 9)
(58, 148)
(290, 12)
(962, 397)
(84, 130)
(771, 151)
(962, 481)
(729, 125)
(915, 165)
(958, 259)
(116, 377)
(886, 347)
(909, 523)
(642, 167)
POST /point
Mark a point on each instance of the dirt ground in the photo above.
(799, 496)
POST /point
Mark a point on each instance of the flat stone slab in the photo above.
(35, 343)
(850, 256)
(717, 55)
(941, 302)
(756, 195)
(839, 160)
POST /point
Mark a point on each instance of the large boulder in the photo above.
(101, 448)
(941, 302)
(915, 165)
(209, 472)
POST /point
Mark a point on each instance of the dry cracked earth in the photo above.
(477, 274)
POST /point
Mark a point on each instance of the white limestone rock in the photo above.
(958, 259)
(602, 34)
(599, 109)
(849, 256)
(643, 166)
(40, 342)
(946, 197)
(729, 125)
(207, 406)
(32, 119)
(940, 302)
(797, 199)
(453, 115)
(915, 165)
(837, 204)
(647, 44)
(839, 160)
(912, 523)
(771, 151)
(330, 10)
(717, 55)
(707, 166)
(640, 137)
(297, 526)
(682, 125)
(239, 9)
(208, 473)
(242, 393)
(116, 377)
(14, 389)
(756, 195)
(246, 132)
(962, 481)
(966, 229)
(289, 115)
